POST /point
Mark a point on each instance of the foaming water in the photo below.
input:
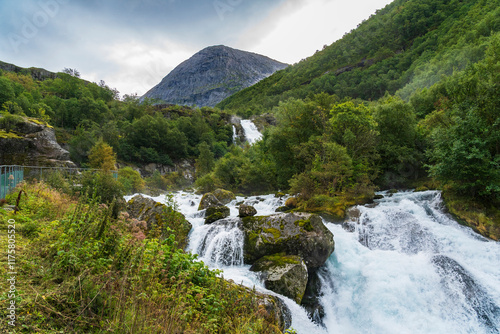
(252, 134)
(401, 266)
(409, 268)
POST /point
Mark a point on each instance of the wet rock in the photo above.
(283, 208)
(310, 301)
(224, 196)
(246, 211)
(300, 234)
(283, 274)
(159, 215)
(215, 213)
(208, 200)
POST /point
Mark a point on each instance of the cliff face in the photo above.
(213, 74)
(26, 142)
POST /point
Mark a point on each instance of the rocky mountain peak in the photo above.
(213, 74)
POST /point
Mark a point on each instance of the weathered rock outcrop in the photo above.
(158, 217)
(208, 200)
(211, 75)
(283, 274)
(300, 234)
(246, 211)
(29, 142)
(214, 204)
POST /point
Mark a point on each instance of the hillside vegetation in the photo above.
(409, 98)
(84, 112)
(406, 46)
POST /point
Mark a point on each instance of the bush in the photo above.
(130, 180)
(104, 187)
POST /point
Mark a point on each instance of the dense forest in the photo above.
(83, 112)
(408, 98)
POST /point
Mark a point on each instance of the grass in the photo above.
(80, 270)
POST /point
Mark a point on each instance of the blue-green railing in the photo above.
(12, 175)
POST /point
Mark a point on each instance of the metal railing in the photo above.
(12, 175)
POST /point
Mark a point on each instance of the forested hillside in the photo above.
(409, 98)
(83, 112)
(407, 46)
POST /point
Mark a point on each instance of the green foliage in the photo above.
(89, 272)
(101, 156)
(407, 46)
(205, 162)
(400, 146)
(130, 180)
(102, 185)
(465, 131)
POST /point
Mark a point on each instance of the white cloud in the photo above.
(298, 28)
(141, 66)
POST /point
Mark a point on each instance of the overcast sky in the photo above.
(133, 44)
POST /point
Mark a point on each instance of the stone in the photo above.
(301, 234)
(34, 144)
(246, 211)
(156, 214)
(224, 196)
(215, 213)
(283, 274)
(208, 200)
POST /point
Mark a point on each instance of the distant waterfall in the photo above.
(252, 134)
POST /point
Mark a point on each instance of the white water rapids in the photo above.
(401, 267)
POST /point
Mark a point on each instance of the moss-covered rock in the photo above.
(291, 202)
(246, 211)
(283, 274)
(28, 142)
(158, 217)
(208, 200)
(300, 234)
(224, 196)
(215, 213)
(283, 208)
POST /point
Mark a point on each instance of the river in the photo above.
(401, 265)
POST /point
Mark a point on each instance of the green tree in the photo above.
(101, 156)
(205, 162)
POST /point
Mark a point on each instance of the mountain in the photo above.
(405, 47)
(212, 75)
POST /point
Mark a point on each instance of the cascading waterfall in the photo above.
(235, 135)
(400, 265)
(403, 266)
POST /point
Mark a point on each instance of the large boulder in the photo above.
(158, 217)
(30, 142)
(215, 213)
(246, 211)
(224, 196)
(300, 234)
(283, 274)
(273, 309)
(208, 200)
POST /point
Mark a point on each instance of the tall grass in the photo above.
(84, 271)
